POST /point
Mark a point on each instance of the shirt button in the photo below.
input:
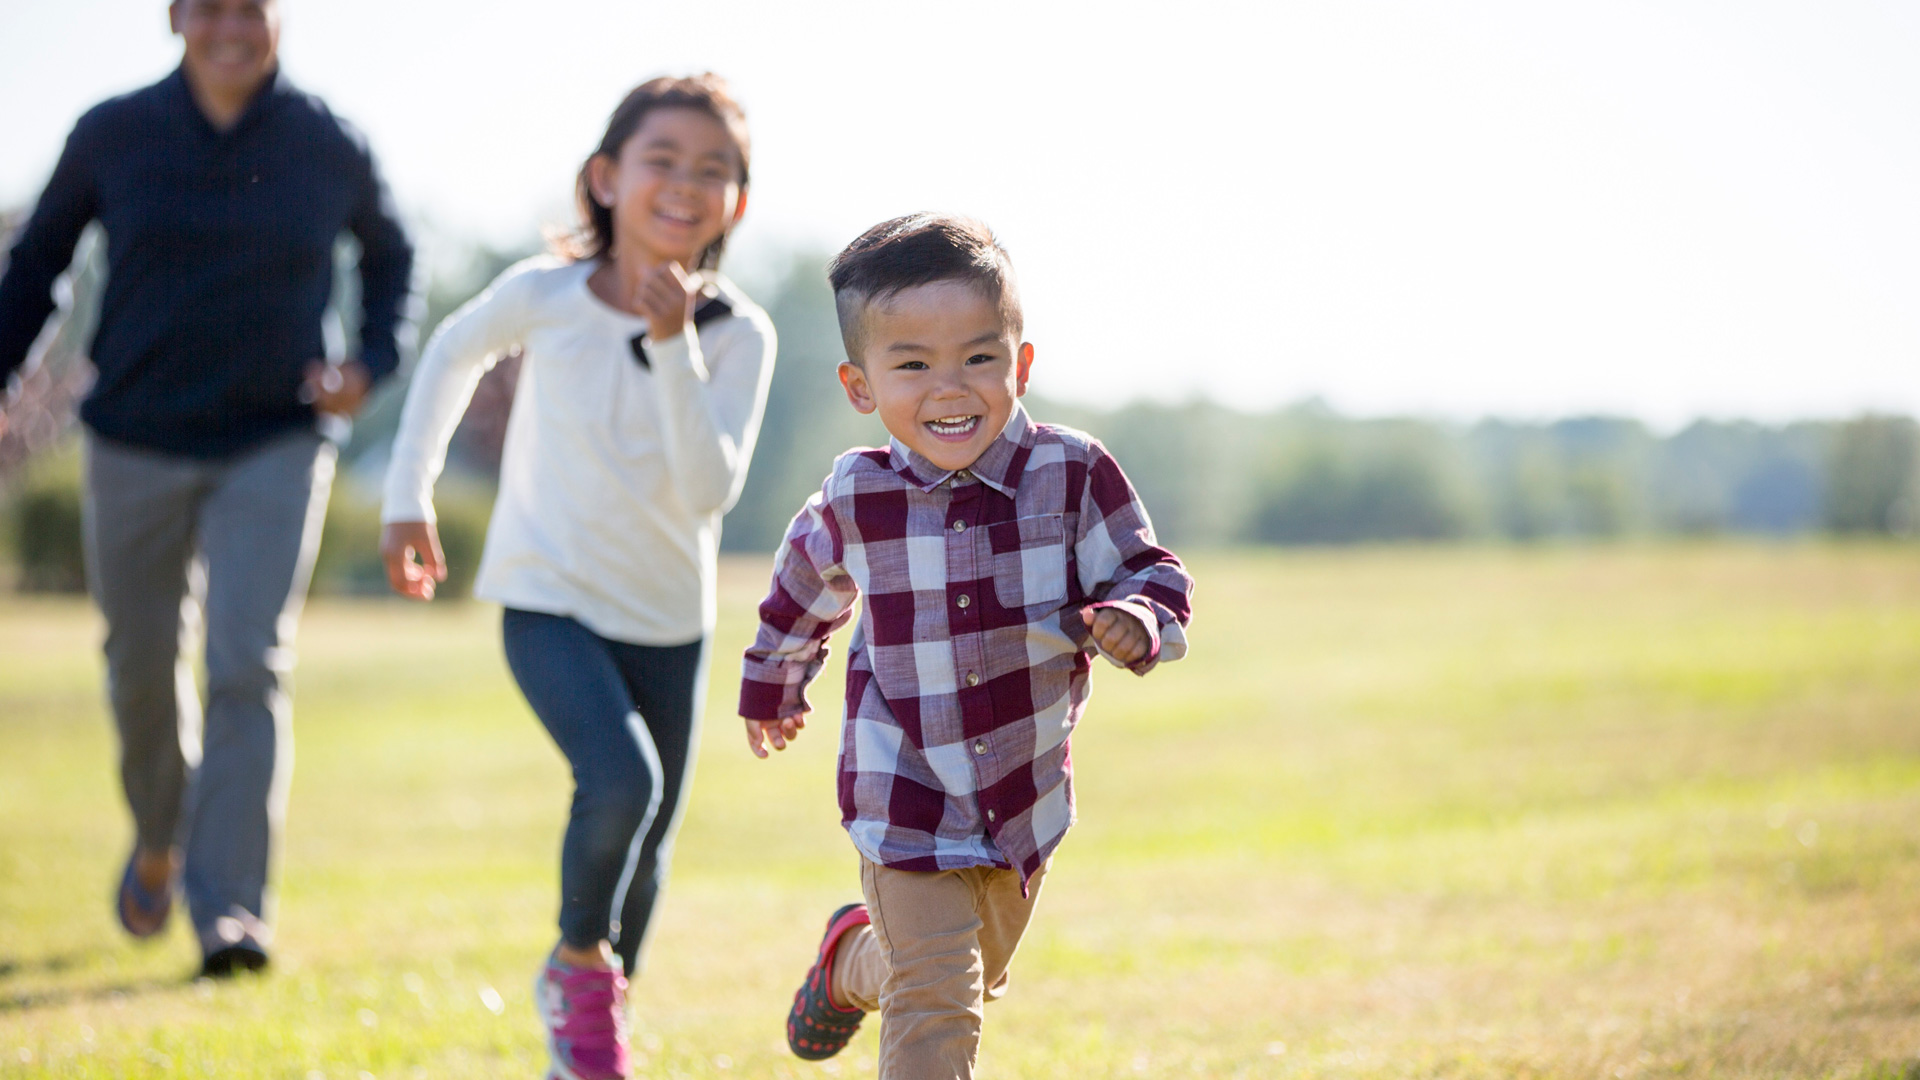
(990, 815)
(973, 678)
(963, 475)
(959, 526)
(980, 747)
(963, 601)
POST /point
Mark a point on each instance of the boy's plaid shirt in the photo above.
(969, 664)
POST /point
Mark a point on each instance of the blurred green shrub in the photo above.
(43, 540)
(349, 561)
(1393, 490)
(46, 524)
(1873, 476)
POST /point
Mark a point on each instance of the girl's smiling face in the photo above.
(674, 188)
(942, 367)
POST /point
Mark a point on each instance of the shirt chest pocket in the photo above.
(1029, 560)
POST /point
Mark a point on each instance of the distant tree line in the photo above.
(1210, 475)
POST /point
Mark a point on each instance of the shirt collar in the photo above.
(275, 87)
(999, 466)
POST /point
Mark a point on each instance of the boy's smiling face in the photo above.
(942, 367)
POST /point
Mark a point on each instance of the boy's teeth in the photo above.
(953, 425)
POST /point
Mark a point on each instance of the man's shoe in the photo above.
(817, 1029)
(227, 962)
(141, 913)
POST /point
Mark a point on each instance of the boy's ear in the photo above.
(739, 209)
(1022, 368)
(859, 392)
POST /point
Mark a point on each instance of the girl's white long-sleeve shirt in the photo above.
(615, 474)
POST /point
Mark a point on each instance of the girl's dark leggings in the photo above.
(624, 716)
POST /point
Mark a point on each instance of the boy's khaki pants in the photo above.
(937, 951)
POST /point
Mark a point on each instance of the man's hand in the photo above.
(9, 395)
(1119, 633)
(779, 733)
(666, 298)
(337, 389)
(400, 543)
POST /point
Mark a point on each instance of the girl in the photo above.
(644, 379)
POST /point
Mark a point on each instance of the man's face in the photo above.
(942, 368)
(231, 45)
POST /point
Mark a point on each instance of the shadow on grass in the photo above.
(61, 963)
(42, 999)
(11, 967)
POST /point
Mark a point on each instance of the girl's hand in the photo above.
(777, 732)
(1119, 634)
(666, 298)
(400, 543)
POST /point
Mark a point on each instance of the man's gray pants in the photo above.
(180, 549)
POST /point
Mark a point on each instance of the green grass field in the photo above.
(1622, 812)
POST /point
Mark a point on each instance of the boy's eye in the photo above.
(912, 365)
(982, 358)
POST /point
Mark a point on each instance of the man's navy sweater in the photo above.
(220, 262)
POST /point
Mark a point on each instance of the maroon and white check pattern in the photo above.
(968, 666)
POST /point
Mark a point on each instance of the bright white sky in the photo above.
(1657, 208)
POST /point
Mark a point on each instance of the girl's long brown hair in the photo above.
(707, 92)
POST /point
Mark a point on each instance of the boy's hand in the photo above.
(1119, 633)
(779, 733)
(666, 299)
(400, 542)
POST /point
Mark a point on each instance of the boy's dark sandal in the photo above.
(817, 1029)
(232, 960)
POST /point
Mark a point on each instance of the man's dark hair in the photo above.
(915, 250)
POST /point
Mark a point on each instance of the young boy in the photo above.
(995, 555)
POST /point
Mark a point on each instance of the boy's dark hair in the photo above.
(706, 92)
(919, 249)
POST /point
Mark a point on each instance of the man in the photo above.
(222, 190)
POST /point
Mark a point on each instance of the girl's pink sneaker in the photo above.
(584, 1011)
